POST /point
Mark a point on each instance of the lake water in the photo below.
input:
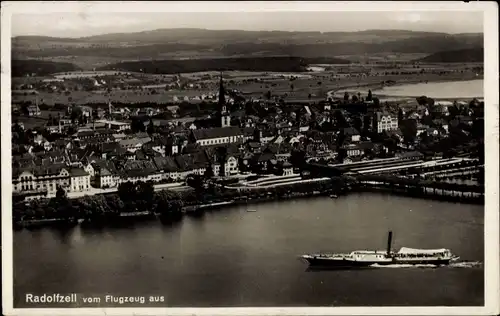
(438, 90)
(232, 257)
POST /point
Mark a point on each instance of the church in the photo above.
(224, 116)
(223, 133)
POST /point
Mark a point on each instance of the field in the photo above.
(89, 63)
(32, 122)
(318, 85)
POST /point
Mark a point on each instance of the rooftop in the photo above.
(218, 132)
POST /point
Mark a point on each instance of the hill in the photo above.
(278, 64)
(473, 55)
(185, 35)
(21, 68)
(160, 43)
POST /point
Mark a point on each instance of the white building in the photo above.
(385, 122)
(217, 136)
(115, 125)
(79, 180)
(230, 166)
(49, 178)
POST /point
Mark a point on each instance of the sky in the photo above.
(95, 23)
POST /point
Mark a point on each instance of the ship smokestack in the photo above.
(389, 243)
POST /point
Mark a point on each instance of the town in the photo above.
(88, 150)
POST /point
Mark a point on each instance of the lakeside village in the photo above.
(96, 164)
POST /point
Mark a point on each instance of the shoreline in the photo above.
(374, 87)
(201, 209)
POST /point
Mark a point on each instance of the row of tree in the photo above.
(130, 198)
(141, 198)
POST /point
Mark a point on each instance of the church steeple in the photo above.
(224, 114)
(222, 93)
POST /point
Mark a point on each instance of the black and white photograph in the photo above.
(231, 158)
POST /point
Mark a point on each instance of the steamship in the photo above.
(367, 258)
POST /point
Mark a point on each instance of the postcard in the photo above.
(250, 158)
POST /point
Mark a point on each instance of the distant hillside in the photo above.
(160, 43)
(474, 55)
(102, 50)
(21, 68)
(325, 60)
(428, 44)
(181, 44)
(278, 64)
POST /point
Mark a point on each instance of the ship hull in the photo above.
(320, 262)
(341, 263)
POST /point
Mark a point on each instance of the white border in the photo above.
(491, 221)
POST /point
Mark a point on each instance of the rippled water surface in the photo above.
(237, 258)
(451, 89)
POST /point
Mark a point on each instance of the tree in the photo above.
(354, 98)
(292, 86)
(346, 96)
(61, 193)
(341, 155)
(478, 129)
(278, 169)
(50, 120)
(430, 101)
(76, 114)
(195, 181)
(340, 120)
(366, 126)
(137, 125)
(145, 194)
(409, 130)
(400, 115)
(376, 102)
(209, 172)
(358, 124)
(369, 97)
(268, 95)
(127, 191)
(453, 110)
(168, 202)
(115, 203)
(151, 127)
(368, 152)
(341, 138)
(297, 158)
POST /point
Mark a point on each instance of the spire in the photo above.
(223, 114)
(222, 97)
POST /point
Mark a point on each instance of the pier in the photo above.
(438, 169)
(465, 193)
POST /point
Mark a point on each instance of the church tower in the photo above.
(224, 113)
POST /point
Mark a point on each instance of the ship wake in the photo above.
(460, 264)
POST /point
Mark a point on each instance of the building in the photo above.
(106, 175)
(132, 144)
(383, 121)
(171, 170)
(225, 166)
(352, 134)
(115, 125)
(49, 178)
(79, 180)
(33, 110)
(225, 116)
(287, 169)
(353, 150)
(217, 136)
